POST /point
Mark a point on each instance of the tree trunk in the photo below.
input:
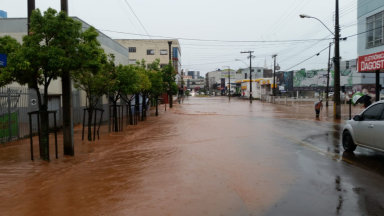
(90, 114)
(157, 105)
(44, 133)
(115, 120)
(170, 101)
(137, 108)
(130, 112)
(143, 107)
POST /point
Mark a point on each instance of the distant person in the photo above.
(318, 107)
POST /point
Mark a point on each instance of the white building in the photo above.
(370, 41)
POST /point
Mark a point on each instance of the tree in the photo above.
(95, 72)
(8, 46)
(170, 85)
(128, 83)
(42, 58)
(157, 84)
(145, 86)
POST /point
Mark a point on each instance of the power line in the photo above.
(225, 41)
(133, 12)
(317, 54)
(208, 63)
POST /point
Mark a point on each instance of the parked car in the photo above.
(331, 94)
(365, 129)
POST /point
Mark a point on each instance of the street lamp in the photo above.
(241, 62)
(311, 17)
(336, 60)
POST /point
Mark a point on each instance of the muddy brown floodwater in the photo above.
(203, 157)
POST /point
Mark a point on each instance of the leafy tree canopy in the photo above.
(8, 46)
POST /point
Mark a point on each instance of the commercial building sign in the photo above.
(371, 62)
(3, 60)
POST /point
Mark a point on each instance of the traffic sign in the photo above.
(3, 60)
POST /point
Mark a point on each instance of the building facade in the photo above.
(152, 49)
(370, 17)
(370, 44)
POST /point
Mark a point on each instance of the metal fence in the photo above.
(17, 102)
(14, 106)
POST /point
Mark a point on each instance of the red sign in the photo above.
(371, 62)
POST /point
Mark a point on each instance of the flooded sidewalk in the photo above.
(199, 158)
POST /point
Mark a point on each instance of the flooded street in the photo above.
(207, 156)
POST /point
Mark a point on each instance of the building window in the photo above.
(347, 65)
(375, 29)
(132, 49)
(164, 52)
(150, 52)
(132, 61)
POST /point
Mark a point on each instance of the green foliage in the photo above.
(169, 79)
(157, 83)
(8, 46)
(46, 52)
(145, 83)
(128, 79)
(154, 66)
(96, 70)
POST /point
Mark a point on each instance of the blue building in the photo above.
(3, 14)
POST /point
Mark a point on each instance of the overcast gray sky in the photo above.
(220, 29)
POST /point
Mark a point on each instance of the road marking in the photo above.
(320, 151)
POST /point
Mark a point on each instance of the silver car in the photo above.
(365, 129)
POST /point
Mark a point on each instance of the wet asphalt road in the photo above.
(206, 156)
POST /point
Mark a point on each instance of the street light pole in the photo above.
(336, 60)
(229, 82)
(337, 107)
(170, 62)
(274, 75)
(31, 7)
(66, 89)
(250, 74)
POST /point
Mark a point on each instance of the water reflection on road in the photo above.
(207, 156)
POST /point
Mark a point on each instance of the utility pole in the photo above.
(64, 6)
(337, 104)
(274, 75)
(378, 86)
(328, 72)
(229, 83)
(31, 7)
(250, 74)
(66, 86)
(170, 62)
